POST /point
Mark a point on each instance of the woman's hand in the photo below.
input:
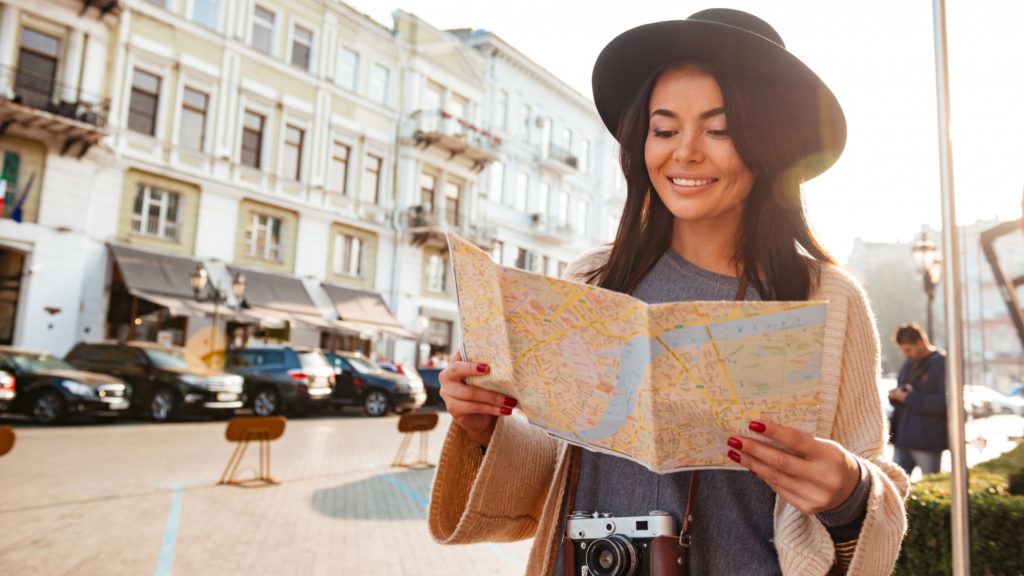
(474, 409)
(819, 477)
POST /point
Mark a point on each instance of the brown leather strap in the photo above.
(575, 454)
(686, 535)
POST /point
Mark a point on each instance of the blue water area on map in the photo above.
(639, 352)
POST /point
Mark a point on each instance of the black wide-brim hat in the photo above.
(733, 43)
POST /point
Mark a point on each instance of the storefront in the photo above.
(366, 315)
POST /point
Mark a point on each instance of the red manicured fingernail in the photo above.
(754, 473)
(757, 427)
(481, 367)
(511, 402)
(735, 443)
(735, 456)
(506, 411)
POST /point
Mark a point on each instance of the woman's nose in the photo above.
(689, 149)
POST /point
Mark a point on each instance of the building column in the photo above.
(8, 35)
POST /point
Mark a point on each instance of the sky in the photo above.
(877, 56)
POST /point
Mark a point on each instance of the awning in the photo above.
(176, 306)
(366, 311)
(276, 298)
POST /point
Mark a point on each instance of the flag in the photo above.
(3, 193)
(16, 213)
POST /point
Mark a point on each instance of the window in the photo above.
(497, 180)
(545, 262)
(522, 188)
(370, 189)
(458, 107)
(428, 189)
(339, 167)
(379, 84)
(544, 198)
(437, 273)
(348, 68)
(563, 209)
(567, 139)
(545, 137)
(302, 47)
(348, 255)
(583, 224)
(145, 98)
(193, 119)
(252, 139)
(155, 213)
(9, 181)
(37, 68)
(206, 13)
(292, 152)
(584, 160)
(263, 30)
(527, 112)
(431, 104)
(501, 114)
(451, 203)
(497, 252)
(524, 259)
(263, 236)
(561, 268)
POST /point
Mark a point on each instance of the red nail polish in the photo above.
(754, 473)
(506, 411)
(481, 367)
(735, 443)
(735, 456)
(511, 402)
(757, 427)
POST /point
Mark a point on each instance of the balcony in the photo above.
(30, 102)
(104, 7)
(456, 136)
(560, 159)
(545, 230)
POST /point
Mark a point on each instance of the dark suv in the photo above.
(166, 380)
(361, 382)
(280, 379)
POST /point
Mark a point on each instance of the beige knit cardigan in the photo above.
(517, 490)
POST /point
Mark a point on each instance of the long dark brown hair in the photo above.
(775, 239)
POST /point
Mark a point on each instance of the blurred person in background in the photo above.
(919, 429)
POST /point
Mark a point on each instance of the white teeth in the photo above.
(688, 182)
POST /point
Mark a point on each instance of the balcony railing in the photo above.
(437, 127)
(562, 155)
(41, 92)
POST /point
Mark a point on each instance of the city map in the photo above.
(664, 385)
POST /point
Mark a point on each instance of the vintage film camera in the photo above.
(599, 544)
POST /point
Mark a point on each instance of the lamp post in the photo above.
(207, 291)
(928, 263)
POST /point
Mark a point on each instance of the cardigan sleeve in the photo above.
(497, 497)
(803, 543)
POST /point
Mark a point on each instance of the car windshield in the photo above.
(361, 365)
(313, 360)
(175, 359)
(39, 362)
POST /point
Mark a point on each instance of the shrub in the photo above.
(996, 522)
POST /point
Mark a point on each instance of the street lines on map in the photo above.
(721, 361)
(551, 398)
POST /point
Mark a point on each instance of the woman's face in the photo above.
(690, 157)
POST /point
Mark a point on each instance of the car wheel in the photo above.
(267, 402)
(376, 403)
(162, 404)
(47, 407)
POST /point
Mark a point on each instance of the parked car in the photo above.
(7, 392)
(361, 382)
(48, 389)
(998, 402)
(166, 381)
(432, 385)
(282, 379)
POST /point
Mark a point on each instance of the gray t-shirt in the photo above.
(732, 529)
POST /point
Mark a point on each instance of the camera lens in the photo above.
(612, 556)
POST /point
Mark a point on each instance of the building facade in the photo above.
(300, 146)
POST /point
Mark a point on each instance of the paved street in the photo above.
(138, 498)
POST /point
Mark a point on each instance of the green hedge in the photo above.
(996, 522)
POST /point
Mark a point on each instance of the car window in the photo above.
(313, 360)
(95, 353)
(174, 358)
(39, 362)
(269, 357)
(361, 366)
(5, 363)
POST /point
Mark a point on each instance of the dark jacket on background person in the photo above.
(920, 421)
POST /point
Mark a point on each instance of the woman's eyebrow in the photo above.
(703, 115)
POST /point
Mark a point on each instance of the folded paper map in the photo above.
(664, 385)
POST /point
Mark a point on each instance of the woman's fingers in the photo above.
(819, 476)
(473, 408)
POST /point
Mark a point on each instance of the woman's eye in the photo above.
(719, 133)
(663, 133)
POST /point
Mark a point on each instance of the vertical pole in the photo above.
(959, 518)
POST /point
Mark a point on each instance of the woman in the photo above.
(718, 125)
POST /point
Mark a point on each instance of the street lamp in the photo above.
(207, 291)
(928, 263)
